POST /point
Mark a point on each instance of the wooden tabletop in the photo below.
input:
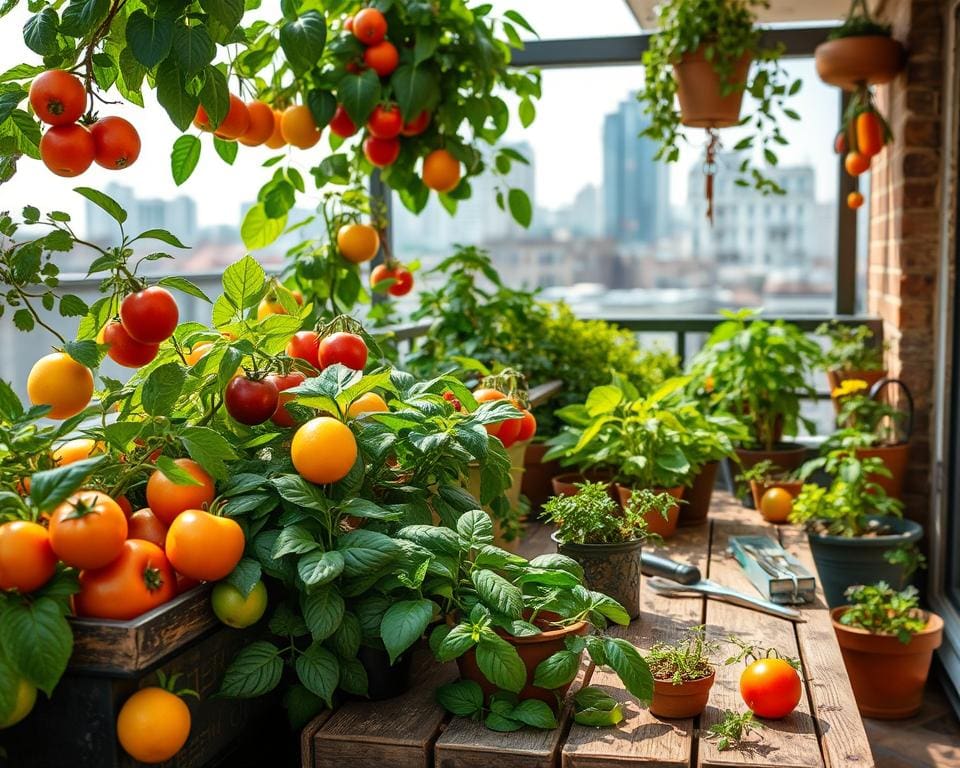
(825, 731)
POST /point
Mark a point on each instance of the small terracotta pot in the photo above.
(698, 495)
(676, 702)
(613, 569)
(564, 484)
(895, 459)
(655, 521)
(887, 676)
(836, 378)
(757, 489)
(699, 91)
(536, 484)
(851, 61)
(532, 649)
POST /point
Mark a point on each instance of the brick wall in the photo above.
(905, 195)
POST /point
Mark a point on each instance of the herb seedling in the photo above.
(880, 609)
(731, 731)
(685, 660)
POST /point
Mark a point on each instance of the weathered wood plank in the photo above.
(842, 737)
(307, 759)
(396, 733)
(539, 394)
(788, 743)
(642, 738)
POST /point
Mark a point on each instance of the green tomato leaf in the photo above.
(475, 528)
(51, 487)
(317, 568)
(359, 94)
(463, 698)
(162, 388)
(184, 158)
(192, 49)
(254, 671)
(40, 32)
(319, 671)
(500, 663)
(150, 39)
(403, 624)
(37, 641)
(323, 611)
(303, 40)
(258, 230)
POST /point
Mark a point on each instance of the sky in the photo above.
(566, 137)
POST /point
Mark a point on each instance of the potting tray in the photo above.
(825, 731)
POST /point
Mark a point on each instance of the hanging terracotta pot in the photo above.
(894, 458)
(702, 103)
(848, 62)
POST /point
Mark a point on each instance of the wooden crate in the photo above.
(112, 659)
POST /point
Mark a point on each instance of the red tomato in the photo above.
(771, 688)
(385, 121)
(235, 124)
(348, 24)
(509, 431)
(382, 58)
(840, 143)
(528, 427)
(166, 499)
(369, 26)
(282, 417)
(57, 97)
(402, 276)
(305, 345)
(138, 580)
(345, 348)
(116, 142)
(485, 395)
(381, 152)
(150, 316)
(27, 560)
(145, 525)
(341, 124)
(249, 401)
(127, 508)
(124, 349)
(203, 546)
(68, 150)
(416, 126)
(88, 530)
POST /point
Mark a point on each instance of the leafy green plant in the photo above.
(851, 348)
(733, 729)
(866, 421)
(490, 595)
(765, 471)
(846, 506)
(757, 372)
(685, 660)
(593, 517)
(726, 31)
(881, 610)
(859, 23)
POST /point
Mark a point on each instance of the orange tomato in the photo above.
(153, 725)
(776, 505)
(369, 402)
(441, 171)
(261, 124)
(27, 560)
(276, 140)
(382, 58)
(358, 243)
(298, 127)
(197, 351)
(203, 546)
(62, 383)
(854, 200)
(771, 688)
(167, 499)
(870, 133)
(145, 525)
(856, 163)
(528, 427)
(369, 26)
(138, 580)
(485, 395)
(88, 530)
(323, 450)
(235, 124)
(76, 450)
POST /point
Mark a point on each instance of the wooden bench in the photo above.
(825, 731)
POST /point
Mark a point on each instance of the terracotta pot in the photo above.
(786, 456)
(563, 485)
(698, 495)
(757, 489)
(895, 459)
(536, 484)
(851, 61)
(836, 378)
(613, 569)
(887, 676)
(532, 649)
(655, 521)
(688, 699)
(699, 91)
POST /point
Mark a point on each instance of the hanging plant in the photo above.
(702, 55)
(861, 52)
(863, 134)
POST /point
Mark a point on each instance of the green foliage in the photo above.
(881, 610)
(687, 659)
(726, 31)
(595, 707)
(851, 348)
(866, 421)
(593, 517)
(859, 23)
(733, 729)
(757, 372)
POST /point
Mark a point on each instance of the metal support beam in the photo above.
(845, 282)
(381, 201)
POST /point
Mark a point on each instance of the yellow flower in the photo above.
(849, 387)
(708, 384)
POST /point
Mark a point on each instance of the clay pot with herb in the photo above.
(682, 675)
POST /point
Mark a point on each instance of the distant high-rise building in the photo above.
(636, 188)
(178, 215)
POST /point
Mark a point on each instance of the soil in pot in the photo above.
(851, 61)
(698, 495)
(613, 569)
(895, 459)
(688, 699)
(843, 562)
(699, 91)
(385, 681)
(537, 475)
(887, 676)
(532, 649)
(655, 521)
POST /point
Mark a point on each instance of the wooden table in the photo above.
(825, 731)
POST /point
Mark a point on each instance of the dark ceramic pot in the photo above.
(613, 569)
(698, 495)
(384, 681)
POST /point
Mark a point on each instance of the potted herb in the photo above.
(516, 626)
(758, 373)
(701, 54)
(851, 354)
(682, 675)
(852, 524)
(592, 529)
(887, 643)
(859, 52)
(765, 476)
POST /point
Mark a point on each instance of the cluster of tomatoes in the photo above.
(256, 123)
(358, 244)
(69, 147)
(860, 141)
(511, 431)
